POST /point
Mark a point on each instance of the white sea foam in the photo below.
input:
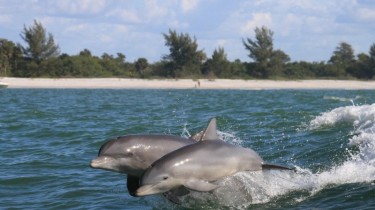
(359, 167)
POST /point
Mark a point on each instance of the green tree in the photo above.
(372, 53)
(9, 54)
(372, 60)
(85, 52)
(361, 69)
(342, 58)
(141, 65)
(218, 65)
(184, 58)
(278, 59)
(261, 51)
(238, 69)
(40, 46)
(120, 58)
(111, 64)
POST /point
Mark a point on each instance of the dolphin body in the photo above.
(196, 166)
(133, 154)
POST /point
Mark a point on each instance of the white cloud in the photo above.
(80, 6)
(366, 14)
(188, 5)
(155, 9)
(221, 42)
(105, 38)
(290, 24)
(126, 15)
(5, 18)
(176, 24)
(257, 20)
(78, 28)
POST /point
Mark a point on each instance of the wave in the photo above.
(246, 188)
(362, 119)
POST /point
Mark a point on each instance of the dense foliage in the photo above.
(41, 57)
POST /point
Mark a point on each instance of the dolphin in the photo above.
(196, 166)
(133, 154)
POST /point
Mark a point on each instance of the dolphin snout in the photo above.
(94, 163)
(99, 162)
(145, 190)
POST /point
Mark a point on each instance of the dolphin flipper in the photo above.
(132, 184)
(211, 132)
(200, 185)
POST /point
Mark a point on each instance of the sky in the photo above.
(308, 30)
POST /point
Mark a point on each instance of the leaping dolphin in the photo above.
(133, 154)
(195, 166)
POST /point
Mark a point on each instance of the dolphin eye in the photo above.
(165, 177)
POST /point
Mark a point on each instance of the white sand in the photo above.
(184, 83)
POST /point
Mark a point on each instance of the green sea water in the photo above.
(49, 136)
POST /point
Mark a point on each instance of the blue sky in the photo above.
(305, 29)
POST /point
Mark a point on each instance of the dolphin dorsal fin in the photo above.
(210, 133)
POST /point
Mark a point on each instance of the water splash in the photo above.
(225, 136)
(246, 188)
(342, 99)
(185, 132)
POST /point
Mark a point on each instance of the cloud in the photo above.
(188, 5)
(257, 20)
(155, 9)
(366, 14)
(80, 6)
(5, 18)
(125, 15)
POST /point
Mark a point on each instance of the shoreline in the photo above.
(125, 83)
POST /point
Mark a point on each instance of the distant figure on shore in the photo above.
(198, 84)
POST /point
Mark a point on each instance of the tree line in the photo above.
(41, 57)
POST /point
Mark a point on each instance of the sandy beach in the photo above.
(120, 83)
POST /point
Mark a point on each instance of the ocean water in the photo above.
(49, 136)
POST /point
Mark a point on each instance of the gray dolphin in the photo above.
(133, 154)
(195, 166)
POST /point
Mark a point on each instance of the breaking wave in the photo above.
(246, 188)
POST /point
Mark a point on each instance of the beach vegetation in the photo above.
(269, 62)
(41, 57)
(141, 65)
(40, 45)
(218, 65)
(10, 53)
(184, 58)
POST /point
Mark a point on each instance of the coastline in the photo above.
(125, 83)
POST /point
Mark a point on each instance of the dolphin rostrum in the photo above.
(195, 166)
